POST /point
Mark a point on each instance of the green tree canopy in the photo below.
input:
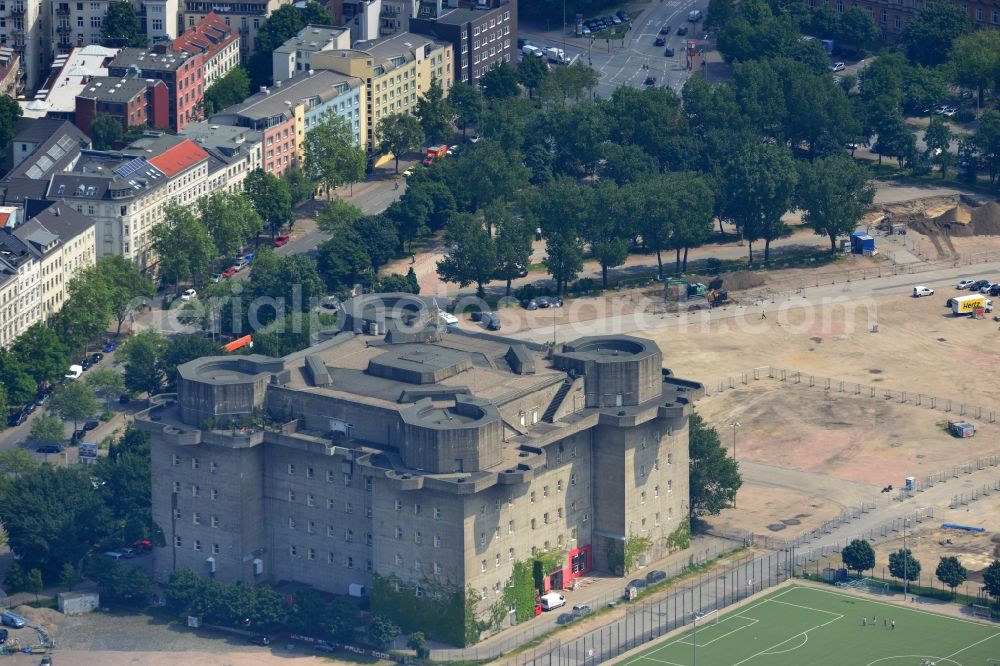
(231, 220)
(47, 429)
(121, 27)
(381, 631)
(991, 579)
(108, 382)
(141, 357)
(435, 113)
(715, 477)
(292, 282)
(951, 572)
(858, 556)
(126, 287)
(74, 401)
(183, 245)
(500, 82)
(834, 192)
(531, 72)
(903, 565)
(513, 242)
(270, 197)
(232, 88)
(333, 156)
(472, 257)
(398, 134)
(105, 131)
(10, 113)
(39, 352)
(467, 101)
(928, 36)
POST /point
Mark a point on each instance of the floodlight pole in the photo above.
(906, 557)
(694, 642)
(735, 425)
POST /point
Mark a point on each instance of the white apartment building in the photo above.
(295, 56)
(160, 19)
(233, 152)
(37, 260)
(74, 24)
(24, 28)
(126, 192)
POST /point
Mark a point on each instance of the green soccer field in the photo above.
(807, 626)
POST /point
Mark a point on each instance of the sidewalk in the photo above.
(597, 590)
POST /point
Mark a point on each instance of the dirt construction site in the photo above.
(812, 448)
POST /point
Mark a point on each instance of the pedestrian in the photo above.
(893, 624)
(885, 622)
(395, 185)
(763, 315)
(413, 258)
(864, 621)
(874, 619)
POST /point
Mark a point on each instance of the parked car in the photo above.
(143, 545)
(491, 321)
(46, 661)
(838, 67)
(650, 81)
(74, 372)
(216, 278)
(978, 284)
(78, 434)
(988, 288)
(85, 364)
(922, 291)
(3, 636)
(110, 346)
(124, 399)
(665, 30)
(659, 42)
(128, 553)
(230, 272)
(48, 448)
(16, 419)
(189, 294)
(995, 290)
(669, 52)
(12, 619)
(580, 610)
(682, 30)
(260, 639)
(549, 302)
(655, 576)
(323, 646)
(96, 358)
(637, 583)
(91, 425)
(279, 240)
(965, 283)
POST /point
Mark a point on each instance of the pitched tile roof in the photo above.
(208, 36)
(178, 158)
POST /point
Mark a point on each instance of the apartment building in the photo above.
(483, 33)
(432, 456)
(24, 30)
(126, 192)
(37, 260)
(40, 148)
(371, 19)
(73, 24)
(68, 76)
(132, 100)
(396, 72)
(295, 56)
(233, 152)
(246, 17)
(216, 41)
(10, 73)
(180, 71)
(160, 20)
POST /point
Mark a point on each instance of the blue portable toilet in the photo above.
(862, 243)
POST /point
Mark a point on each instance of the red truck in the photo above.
(435, 152)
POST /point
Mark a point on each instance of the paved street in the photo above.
(617, 65)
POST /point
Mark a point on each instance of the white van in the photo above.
(694, 15)
(552, 601)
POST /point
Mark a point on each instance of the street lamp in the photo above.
(735, 425)
(906, 559)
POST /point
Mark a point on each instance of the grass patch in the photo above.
(43, 603)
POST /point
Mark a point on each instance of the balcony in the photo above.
(62, 10)
(64, 29)
(17, 10)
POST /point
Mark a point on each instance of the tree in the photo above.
(337, 214)
(333, 156)
(857, 28)
(467, 101)
(626, 163)
(15, 462)
(291, 283)
(14, 579)
(74, 401)
(33, 583)
(715, 477)
(757, 190)
(41, 353)
(299, 187)
(692, 210)
(68, 577)
(183, 245)
(183, 587)
(141, 357)
(975, 61)
(381, 632)
(834, 192)
(340, 618)
(227, 90)
(398, 134)
(500, 83)
(282, 24)
(53, 516)
(183, 348)
(85, 314)
(513, 243)
(418, 642)
(270, 197)
(126, 288)
(572, 82)
(951, 572)
(991, 578)
(605, 230)
(19, 386)
(380, 238)
(472, 255)
(231, 221)
(938, 138)
(105, 131)
(342, 259)
(903, 565)
(895, 139)
(121, 27)
(108, 382)
(858, 556)
(531, 72)
(987, 143)
(928, 36)
(434, 113)
(562, 212)
(47, 429)
(10, 113)
(268, 609)
(484, 173)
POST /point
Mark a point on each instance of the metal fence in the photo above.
(869, 391)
